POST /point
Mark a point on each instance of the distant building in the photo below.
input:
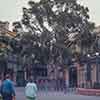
(4, 26)
(4, 34)
(87, 72)
(4, 29)
(97, 30)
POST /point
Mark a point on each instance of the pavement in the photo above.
(55, 96)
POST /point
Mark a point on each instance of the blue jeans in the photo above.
(7, 96)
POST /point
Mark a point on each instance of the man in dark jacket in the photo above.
(7, 89)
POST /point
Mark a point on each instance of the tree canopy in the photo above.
(53, 26)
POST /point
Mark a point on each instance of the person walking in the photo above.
(7, 89)
(0, 81)
(66, 86)
(0, 87)
(31, 90)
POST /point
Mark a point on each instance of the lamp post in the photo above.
(88, 71)
(97, 67)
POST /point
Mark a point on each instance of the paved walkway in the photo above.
(55, 96)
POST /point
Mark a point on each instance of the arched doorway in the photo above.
(72, 77)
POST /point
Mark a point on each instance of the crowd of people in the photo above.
(52, 85)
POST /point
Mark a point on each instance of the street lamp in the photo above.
(97, 67)
(88, 70)
(97, 53)
(88, 55)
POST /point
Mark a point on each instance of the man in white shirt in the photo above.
(31, 90)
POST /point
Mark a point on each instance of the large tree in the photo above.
(57, 25)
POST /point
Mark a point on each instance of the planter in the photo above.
(89, 92)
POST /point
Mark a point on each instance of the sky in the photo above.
(10, 10)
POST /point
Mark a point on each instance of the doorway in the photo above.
(73, 77)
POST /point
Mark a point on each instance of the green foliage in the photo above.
(55, 24)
